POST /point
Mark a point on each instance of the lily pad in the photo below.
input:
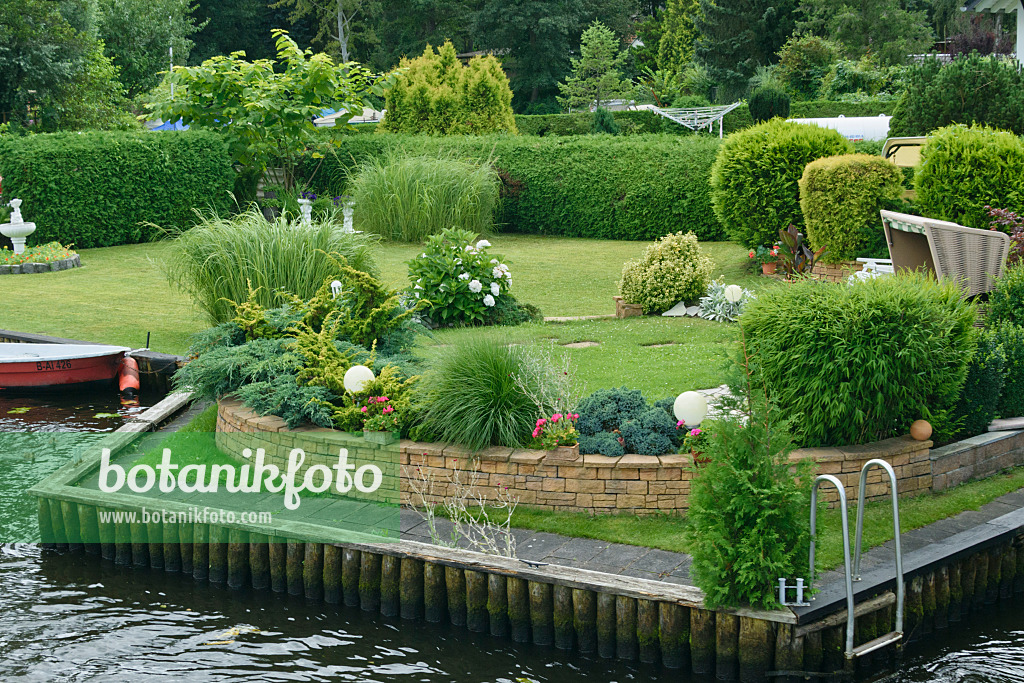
(107, 415)
(19, 411)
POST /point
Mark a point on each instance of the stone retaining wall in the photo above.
(630, 483)
(49, 267)
(836, 272)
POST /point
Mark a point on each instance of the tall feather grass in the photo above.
(479, 393)
(407, 199)
(215, 261)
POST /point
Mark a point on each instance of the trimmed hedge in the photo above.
(638, 122)
(854, 364)
(962, 169)
(630, 187)
(754, 179)
(98, 189)
(840, 198)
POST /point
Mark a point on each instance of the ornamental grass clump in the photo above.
(671, 270)
(856, 363)
(410, 198)
(221, 259)
(479, 393)
(748, 515)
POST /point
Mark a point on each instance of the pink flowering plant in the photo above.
(557, 430)
(695, 440)
(380, 415)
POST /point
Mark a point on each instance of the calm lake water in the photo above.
(72, 617)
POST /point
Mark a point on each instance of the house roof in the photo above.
(993, 6)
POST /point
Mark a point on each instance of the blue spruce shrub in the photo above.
(645, 429)
(603, 443)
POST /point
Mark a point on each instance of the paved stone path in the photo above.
(662, 565)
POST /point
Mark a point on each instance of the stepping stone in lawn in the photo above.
(581, 344)
(681, 309)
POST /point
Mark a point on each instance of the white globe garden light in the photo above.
(733, 293)
(336, 288)
(356, 378)
(690, 408)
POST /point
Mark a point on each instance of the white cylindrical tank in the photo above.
(854, 128)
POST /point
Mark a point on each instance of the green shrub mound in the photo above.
(221, 259)
(768, 102)
(434, 93)
(478, 393)
(1010, 338)
(100, 189)
(671, 270)
(748, 509)
(972, 89)
(1006, 301)
(964, 169)
(853, 364)
(754, 180)
(604, 122)
(840, 198)
(626, 187)
(617, 421)
(410, 198)
(978, 404)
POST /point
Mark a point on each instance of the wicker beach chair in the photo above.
(974, 258)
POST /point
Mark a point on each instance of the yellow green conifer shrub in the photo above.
(435, 94)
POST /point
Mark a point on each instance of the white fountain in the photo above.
(17, 229)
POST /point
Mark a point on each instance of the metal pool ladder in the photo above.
(854, 575)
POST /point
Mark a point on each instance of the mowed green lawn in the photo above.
(121, 293)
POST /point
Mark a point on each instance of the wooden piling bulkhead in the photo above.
(518, 609)
(410, 588)
(968, 577)
(332, 574)
(647, 618)
(542, 614)
(350, 569)
(259, 560)
(927, 603)
(172, 547)
(201, 552)
(789, 650)
(295, 552)
(140, 543)
(497, 604)
(1008, 572)
(625, 627)
(584, 619)
(833, 644)
(477, 619)
(185, 550)
(814, 652)
(108, 550)
(238, 558)
(980, 579)
(435, 593)
(995, 570)
(369, 581)
(606, 625)
(702, 641)
(313, 571)
(755, 651)
(390, 572)
(219, 556)
(674, 635)
(561, 600)
(88, 522)
(956, 591)
(727, 633)
(455, 583)
(941, 597)
(913, 611)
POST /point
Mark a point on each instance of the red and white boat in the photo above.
(31, 367)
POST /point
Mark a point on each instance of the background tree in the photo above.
(804, 61)
(243, 26)
(403, 28)
(596, 77)
(265, 108)
(536, 37)
(675, 49)
(436, 94)
(137, 34)
(881, 28)
(737, 36)
(340, 24)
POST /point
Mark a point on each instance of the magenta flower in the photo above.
(363, 409)
(556, 417)
(541, 421)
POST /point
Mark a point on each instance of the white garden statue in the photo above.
(17, 229)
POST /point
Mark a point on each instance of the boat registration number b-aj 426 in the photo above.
(39, 367)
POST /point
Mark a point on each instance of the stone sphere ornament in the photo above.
(690, 408)
(921, 430)
(733, 293)
(356, 377)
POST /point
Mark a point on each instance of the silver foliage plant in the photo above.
(714, 305)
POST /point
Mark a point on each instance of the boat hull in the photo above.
(61, 373)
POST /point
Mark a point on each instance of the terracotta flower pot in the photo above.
(769, 268)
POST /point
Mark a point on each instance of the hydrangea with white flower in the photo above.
(460, 278)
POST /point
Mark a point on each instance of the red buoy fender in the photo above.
(128, 378)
